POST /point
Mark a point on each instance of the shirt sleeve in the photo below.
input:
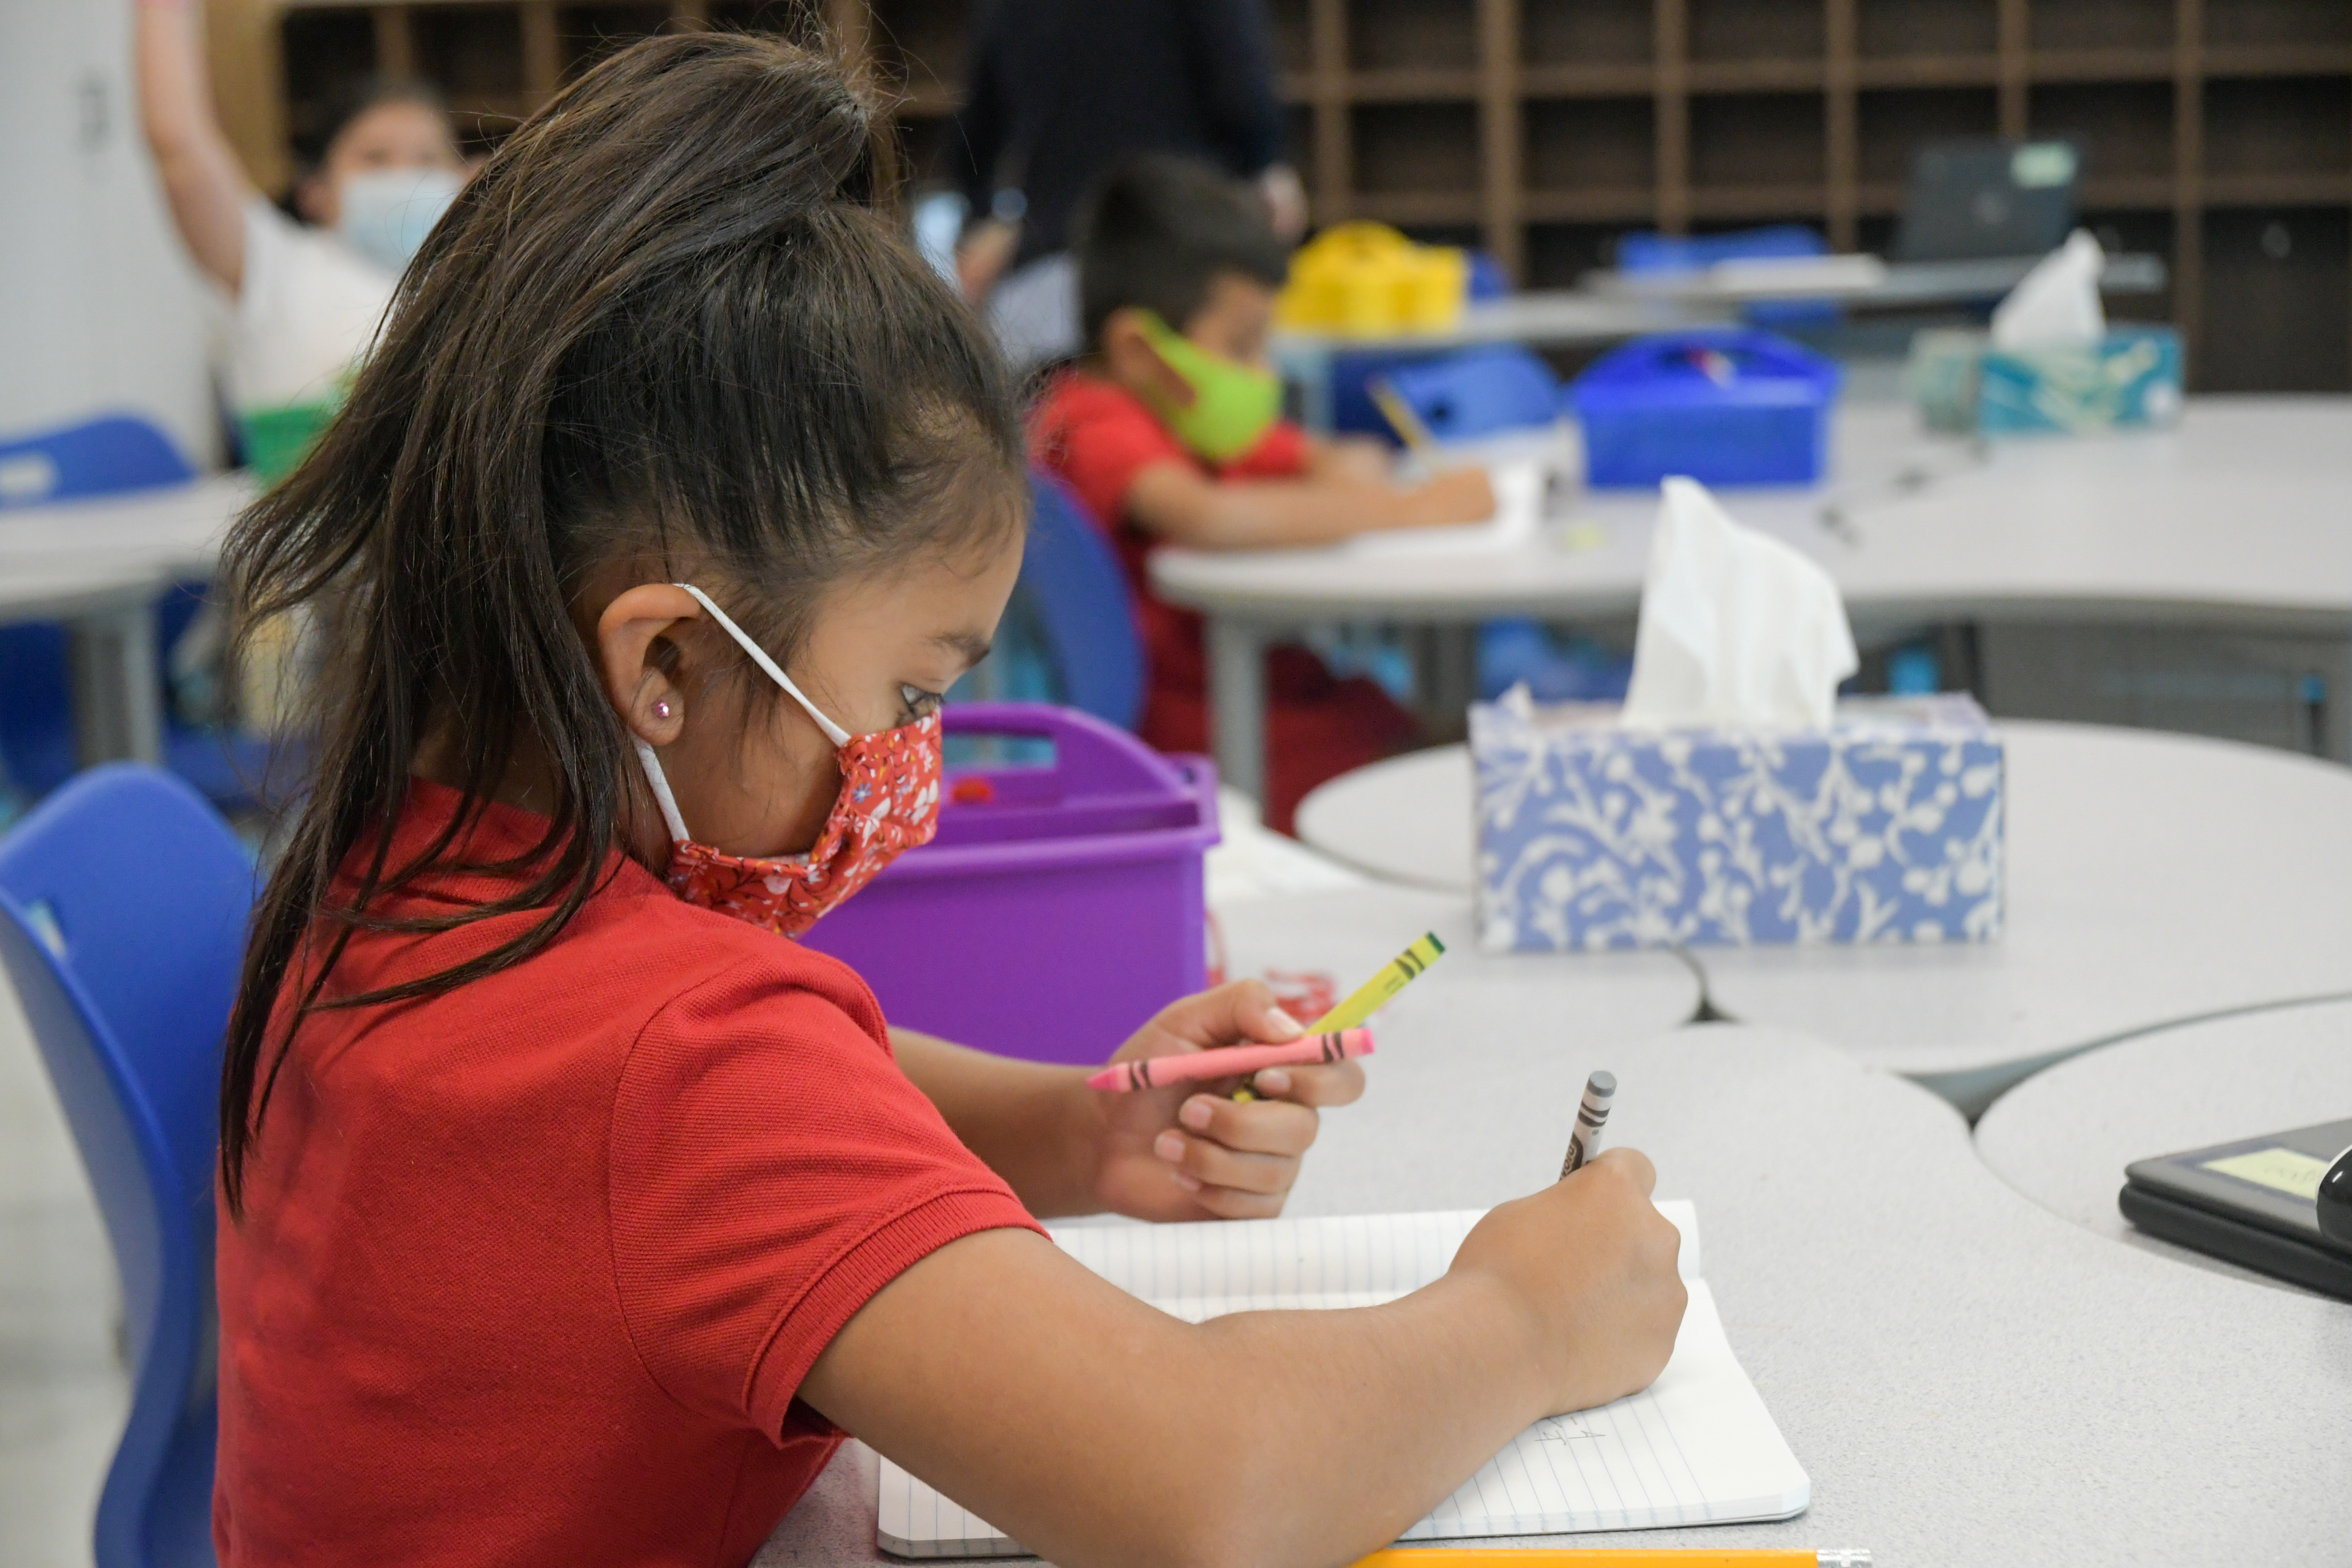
(1280, 454)
(1099, 439)
(771, 1170)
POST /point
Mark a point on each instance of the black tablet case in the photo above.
(2243, 1222)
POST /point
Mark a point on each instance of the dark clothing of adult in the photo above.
(1061, 89)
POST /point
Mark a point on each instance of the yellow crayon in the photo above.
(1373, 994)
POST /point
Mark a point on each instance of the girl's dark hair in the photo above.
(665, 323)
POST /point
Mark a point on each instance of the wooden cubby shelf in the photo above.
(2218, 132)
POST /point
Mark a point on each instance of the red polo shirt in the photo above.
(531, 1270)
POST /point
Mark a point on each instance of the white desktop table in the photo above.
(2151, 879)
(1970, 1381)
(2236, 521)
(2063, 1136)
(97, 565)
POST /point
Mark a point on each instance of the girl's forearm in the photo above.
(1126, 1437)
(1023, 1119)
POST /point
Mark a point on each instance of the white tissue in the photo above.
(1517, 521)
(2057, 304)
(1736, 627)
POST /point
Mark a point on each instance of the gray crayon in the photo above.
(1591, 1118)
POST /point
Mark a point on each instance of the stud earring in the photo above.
(661, 709)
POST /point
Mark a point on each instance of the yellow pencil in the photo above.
(1614, 1557)
(1400, 415)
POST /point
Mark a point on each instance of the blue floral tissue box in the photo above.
(1886, 826)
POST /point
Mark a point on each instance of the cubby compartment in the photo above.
(586, 34)
(2136, 232)
(2291, 125)
(1417, 148)
(1590, 143)
(1411, 35)
(2278, 301)
(1755, 29)
(1891, 127)
(786, 18)
(474, 53)
(2260, 22)
(925, 41)
(1298, 141)
(2125, 128)
(1586, 32)
(1754, 143)
(1294, 36)
(322, 52)
(1559, 255)
(1907, 30)
(2069, 25)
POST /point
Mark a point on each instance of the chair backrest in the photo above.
(96, 458)
(123, 904)
(1073, 588)
(1480, 392)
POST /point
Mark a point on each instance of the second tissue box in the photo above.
(1884, 826)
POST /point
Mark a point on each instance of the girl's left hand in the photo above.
(1191, 1152)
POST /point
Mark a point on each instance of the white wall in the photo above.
(99, 308)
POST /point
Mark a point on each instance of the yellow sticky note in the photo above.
(2290, 1171)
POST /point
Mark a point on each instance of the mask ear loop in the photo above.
(833, 732)
(662, 797)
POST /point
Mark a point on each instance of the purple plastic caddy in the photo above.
(1058, 908)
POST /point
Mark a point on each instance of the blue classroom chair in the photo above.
(1075, 596)
(123, 903)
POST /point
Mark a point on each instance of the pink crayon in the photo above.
(1233, 1062)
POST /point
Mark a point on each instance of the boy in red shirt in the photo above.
(1171, 432)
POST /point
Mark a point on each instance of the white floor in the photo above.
(62, 1392)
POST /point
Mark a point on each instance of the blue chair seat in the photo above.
(123, 903)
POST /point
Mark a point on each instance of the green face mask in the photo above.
(1231, 404)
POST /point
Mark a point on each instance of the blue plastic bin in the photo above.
(1480, 392)
(1725, 406)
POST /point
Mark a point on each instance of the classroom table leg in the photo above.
(1238, 702)
(118, 698)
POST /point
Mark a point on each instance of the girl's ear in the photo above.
(639, 656)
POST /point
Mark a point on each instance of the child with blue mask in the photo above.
(303, 300)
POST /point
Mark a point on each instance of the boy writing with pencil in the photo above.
(1169, 430)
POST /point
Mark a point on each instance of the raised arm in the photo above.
(1182, 506)
(1094, 1429)
(207, 188)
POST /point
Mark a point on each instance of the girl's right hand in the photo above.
(1591, 1263)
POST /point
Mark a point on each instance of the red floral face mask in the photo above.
(889, 801)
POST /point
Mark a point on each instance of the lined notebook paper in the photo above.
(1696, 1447)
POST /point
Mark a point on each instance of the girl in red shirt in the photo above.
(570, 1212)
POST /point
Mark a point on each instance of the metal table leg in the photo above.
(118, 697)
(1238, 702)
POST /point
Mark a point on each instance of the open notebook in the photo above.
(1696, 1447)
